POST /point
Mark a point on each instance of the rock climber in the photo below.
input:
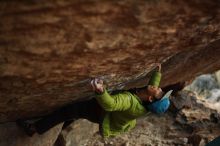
(115, 114)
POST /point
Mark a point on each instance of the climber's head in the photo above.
(155, 100)
(153, 93)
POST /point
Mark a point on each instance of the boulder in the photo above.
(50, 50)
(193, 115)
(11, 135)
(77, 133)
(183, 99)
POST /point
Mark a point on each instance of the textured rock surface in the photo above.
(77, 133)
(49, 50)
(11, 135)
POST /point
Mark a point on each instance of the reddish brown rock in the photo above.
(50, 50)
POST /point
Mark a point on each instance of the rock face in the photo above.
(50, 50)
(11, 135)
(78, 133)
(200, 121)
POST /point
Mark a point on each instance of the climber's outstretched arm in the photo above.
(118, 102)
(156, 76)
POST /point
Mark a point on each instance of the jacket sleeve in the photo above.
(155, 79)
(117, 102)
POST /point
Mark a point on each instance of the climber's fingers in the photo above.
(100, 81)
(93, 85)
(97, 85)
(158, 66)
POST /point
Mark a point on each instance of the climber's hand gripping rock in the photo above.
(97, 85)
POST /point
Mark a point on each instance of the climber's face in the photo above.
(153, 93)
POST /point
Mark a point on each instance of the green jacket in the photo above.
(122, 109)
